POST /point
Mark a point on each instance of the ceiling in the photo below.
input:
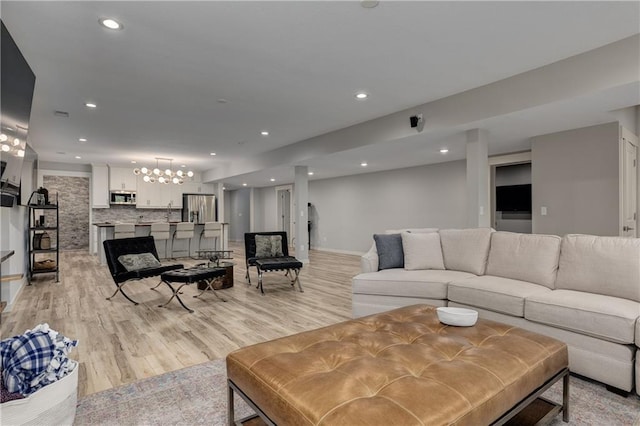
(184, 79)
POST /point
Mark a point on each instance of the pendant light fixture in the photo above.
(165, 176)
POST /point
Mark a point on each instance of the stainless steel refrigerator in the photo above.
(199, 208)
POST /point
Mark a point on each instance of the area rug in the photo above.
(198, 395)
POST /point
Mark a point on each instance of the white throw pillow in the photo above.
(422, 251)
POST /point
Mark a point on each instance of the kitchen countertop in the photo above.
(111, 224)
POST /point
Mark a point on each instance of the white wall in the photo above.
(575, 176)
(13, 236)
(266, 209)
(628, 118)
(347, 211)
(238, 213)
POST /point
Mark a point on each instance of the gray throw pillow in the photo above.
(268, 246)
(135, 262)
(390, 253)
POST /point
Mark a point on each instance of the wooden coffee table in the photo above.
(398, 367)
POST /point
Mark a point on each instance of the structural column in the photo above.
(218, 190)
(300, 216)
(478, 214)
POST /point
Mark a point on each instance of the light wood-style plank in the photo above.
(121, 343)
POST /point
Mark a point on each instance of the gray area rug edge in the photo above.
(198, 395)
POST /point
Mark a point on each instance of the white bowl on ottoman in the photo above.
(459, 317)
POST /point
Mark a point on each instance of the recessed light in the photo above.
(264, 133)
(244, 184)
(82, 140)
(310, 173)
(90, 105)
(78, 157)
(272, 179)
(364, 164)
(444, 151)
(110, 23)
(183, 165)
(361, 95)
(224, 189)
(222, 101)
(212, 153)
(133, 161)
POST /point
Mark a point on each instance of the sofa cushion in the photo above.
(398, 282)
(494, 293)
(466, 249)
(389, 248)
(605, 317)
(525, 257)
(422, 251)
(603, 265)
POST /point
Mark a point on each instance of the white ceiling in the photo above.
(291, 68)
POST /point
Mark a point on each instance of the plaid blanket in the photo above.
(35, 359)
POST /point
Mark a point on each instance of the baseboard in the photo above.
(330, 250)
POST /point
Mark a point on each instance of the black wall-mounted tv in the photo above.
(513, 198)
(17, 82)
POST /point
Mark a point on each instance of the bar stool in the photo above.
(124, 230)
(211, 230)
(160, 231)
(184, 230)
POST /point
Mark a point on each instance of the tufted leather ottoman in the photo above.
(399, 367)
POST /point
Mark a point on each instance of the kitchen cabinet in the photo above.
(158, 196)
(99, 186)
(197, 188)
(122, 178)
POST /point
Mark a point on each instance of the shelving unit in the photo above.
(39, 254)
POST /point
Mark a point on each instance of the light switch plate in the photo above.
(543, 211)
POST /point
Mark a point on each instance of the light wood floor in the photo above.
(120, 343)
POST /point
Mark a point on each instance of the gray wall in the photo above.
(266, 209)
(519, 174)
(575, 175)
(348, 210)
(239, 213)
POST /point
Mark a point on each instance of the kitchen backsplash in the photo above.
(131, 215)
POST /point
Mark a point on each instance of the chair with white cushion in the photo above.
(184, 231)
(211, 230)
(124, 230)
(160, 231)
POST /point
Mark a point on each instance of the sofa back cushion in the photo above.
(525, 257)
(465, 249)
(390, 253)
(601, 265)
(422, 251)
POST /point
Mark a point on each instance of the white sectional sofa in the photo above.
(581, 289)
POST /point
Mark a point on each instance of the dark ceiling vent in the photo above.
(64, 114)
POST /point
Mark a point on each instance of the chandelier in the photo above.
(11, 145)
(162, 176)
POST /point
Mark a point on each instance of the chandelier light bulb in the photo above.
(176, 180)
(16, 142)
(156, 171)
(20, 153)
(5, 148)
(146, 178)
(161, 179)
(3, 137)
(152, 179)
(168, 172)
(190, 173)
(180, 182)
(136, 171)
(179, 173)
(144, 171)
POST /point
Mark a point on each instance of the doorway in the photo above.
(510, 180)
(629, 185)
(284, 199)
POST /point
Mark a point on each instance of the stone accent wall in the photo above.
(132, 215)
(73, 210)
